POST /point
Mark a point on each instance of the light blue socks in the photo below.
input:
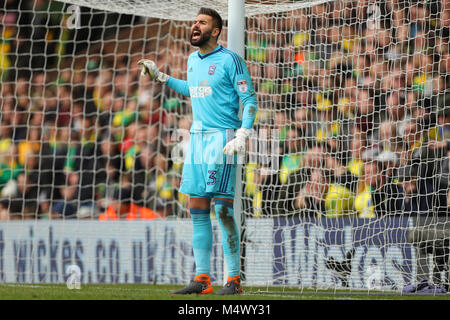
(202, 240)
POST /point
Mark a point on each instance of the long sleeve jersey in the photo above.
(215, 83)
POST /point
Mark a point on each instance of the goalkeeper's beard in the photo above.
(204, 38)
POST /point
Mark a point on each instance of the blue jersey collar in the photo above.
(203, 56)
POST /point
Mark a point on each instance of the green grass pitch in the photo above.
(162, 292)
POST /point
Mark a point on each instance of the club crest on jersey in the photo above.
(242, 85)
(211, 70)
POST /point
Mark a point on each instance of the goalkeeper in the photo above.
(216, 79)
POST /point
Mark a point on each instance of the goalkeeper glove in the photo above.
(237, 145)
(150, 68)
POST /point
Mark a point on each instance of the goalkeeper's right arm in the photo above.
(150, 68)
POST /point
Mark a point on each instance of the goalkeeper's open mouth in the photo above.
(196, 35)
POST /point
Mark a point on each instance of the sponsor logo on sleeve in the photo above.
(242, 85)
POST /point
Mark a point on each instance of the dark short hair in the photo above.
(217, 19)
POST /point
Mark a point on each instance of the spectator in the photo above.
(420, 196)
(47, 175)
(418, 150)
(123, 209)
(105, 110)
(64, 106)
(24, 203)
(357, 148)
(314, 158)
(365, 116)
(323, 196)
(327, 117)
(63, 147)
(31, 144)
(38, 85)
(311, 198)
(10, 168)
(291, 161)
(281, 127)
(376, 197)
(305, 124)
(442, 136)
(19, 125)
(340, 196)
(143, 191)
(389, 139)
(68, 204)
(252, 202)
(85, 163)
(396, 111)
(108, 174)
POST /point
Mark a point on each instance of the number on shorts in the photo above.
(212, 177)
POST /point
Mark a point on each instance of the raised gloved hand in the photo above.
(150, 68)
(237, 145)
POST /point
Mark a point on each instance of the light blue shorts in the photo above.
(207, 171)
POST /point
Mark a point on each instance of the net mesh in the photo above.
(182, 11)
(347, 168)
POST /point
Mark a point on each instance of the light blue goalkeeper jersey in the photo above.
(215, 82)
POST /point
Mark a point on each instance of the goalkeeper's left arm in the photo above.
(244, 88)
(149, 68)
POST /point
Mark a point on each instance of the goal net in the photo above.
(345, 182)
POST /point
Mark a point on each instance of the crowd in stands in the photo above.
(357, 96)
(353, 93)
